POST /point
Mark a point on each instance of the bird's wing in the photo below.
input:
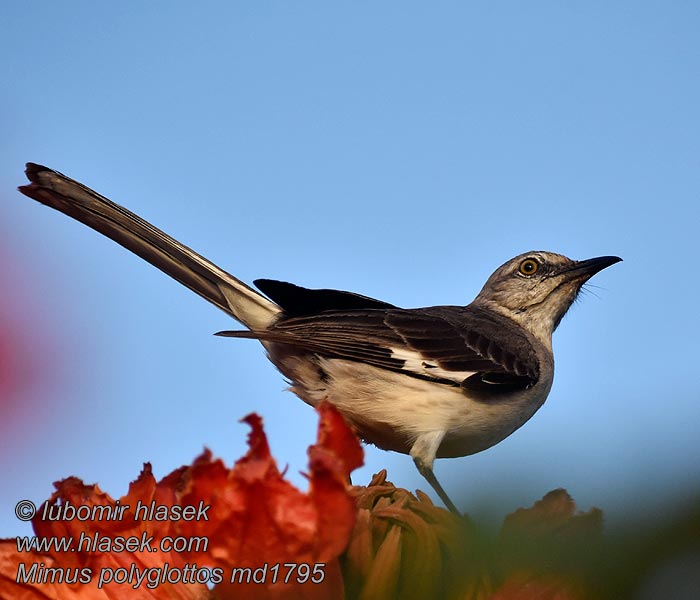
(453, 345)
(297, 301)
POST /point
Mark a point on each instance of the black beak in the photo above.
(588, 268)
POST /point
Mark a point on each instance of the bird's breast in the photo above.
(391, 410)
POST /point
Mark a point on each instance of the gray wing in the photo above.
(451, 345)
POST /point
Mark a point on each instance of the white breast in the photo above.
(391, 410)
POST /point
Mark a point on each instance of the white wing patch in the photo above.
(417, 363)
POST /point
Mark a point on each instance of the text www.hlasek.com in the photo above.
(102, 543)
(40, 573)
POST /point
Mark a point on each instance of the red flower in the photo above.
(245, 530)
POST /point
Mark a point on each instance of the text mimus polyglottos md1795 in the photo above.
(442, 381)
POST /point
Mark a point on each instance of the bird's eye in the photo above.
(529, 266)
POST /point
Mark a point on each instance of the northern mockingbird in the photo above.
(442, 381)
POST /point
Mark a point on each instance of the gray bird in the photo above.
(443, 381)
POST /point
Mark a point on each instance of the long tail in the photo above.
(170, 256)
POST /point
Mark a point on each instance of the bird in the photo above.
(432, 382)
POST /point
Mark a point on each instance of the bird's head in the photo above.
(536, 289)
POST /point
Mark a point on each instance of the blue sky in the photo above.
(401, 150)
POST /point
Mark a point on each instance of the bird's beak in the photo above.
(588, 268)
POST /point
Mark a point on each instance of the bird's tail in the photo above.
(170, 256)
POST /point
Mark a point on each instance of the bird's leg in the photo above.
(423, 453)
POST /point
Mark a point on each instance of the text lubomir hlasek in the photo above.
(115, 512)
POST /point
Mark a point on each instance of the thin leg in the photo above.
(427, 472)
(423, 452)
